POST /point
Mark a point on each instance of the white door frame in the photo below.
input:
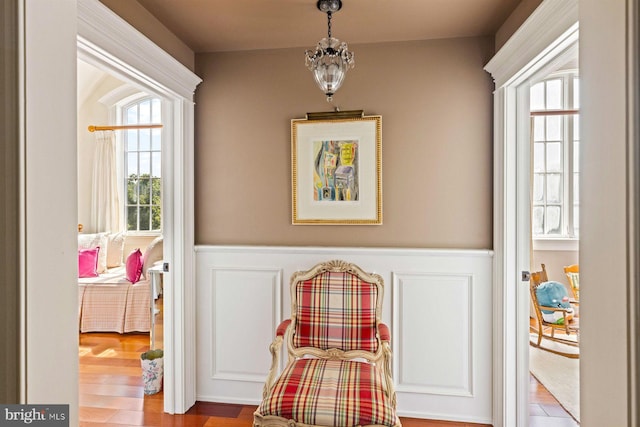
(550, 30)
(108, 42)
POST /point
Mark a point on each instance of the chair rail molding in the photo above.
(550, 30)
(111, 44)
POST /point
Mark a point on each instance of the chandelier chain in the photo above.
(331, 58)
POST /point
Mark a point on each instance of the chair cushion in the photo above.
(336, 310)
(330, 393)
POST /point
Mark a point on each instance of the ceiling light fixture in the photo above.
(332, 58)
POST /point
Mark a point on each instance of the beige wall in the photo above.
(140, 18)
(436, 106)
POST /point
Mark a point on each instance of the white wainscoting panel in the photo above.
(437, 304)
(433, 308)
(238, 310)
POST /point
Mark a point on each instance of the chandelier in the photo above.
(331, 59)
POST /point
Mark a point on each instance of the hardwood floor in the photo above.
(544, 409)
(111, 393)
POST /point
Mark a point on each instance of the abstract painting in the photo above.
(337, 171)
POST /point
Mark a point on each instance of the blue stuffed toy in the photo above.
(554, 294)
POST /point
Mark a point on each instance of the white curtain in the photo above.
(105, 202)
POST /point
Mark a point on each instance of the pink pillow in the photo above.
(134, 266)
(88, 262)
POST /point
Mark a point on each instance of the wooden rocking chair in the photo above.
(573, 276)
(546, 330)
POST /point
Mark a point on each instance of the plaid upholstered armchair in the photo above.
(339, 367)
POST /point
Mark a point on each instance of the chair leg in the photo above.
(539, 334)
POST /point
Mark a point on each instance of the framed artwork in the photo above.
(336, 167)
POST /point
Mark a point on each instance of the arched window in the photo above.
(142, 165)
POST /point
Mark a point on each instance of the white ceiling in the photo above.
(89, 77)
(229, 25)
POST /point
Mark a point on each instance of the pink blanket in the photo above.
(110, 303)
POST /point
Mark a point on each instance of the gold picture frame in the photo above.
(336, 170)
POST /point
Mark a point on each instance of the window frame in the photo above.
(569, 236)
(119, 110)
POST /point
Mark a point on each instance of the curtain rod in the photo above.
(95, 128)
(555, 112)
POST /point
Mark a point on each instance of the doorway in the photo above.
(547, 176)
(554, 178)
(548, 32)
(108, 43)
(120, 208)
